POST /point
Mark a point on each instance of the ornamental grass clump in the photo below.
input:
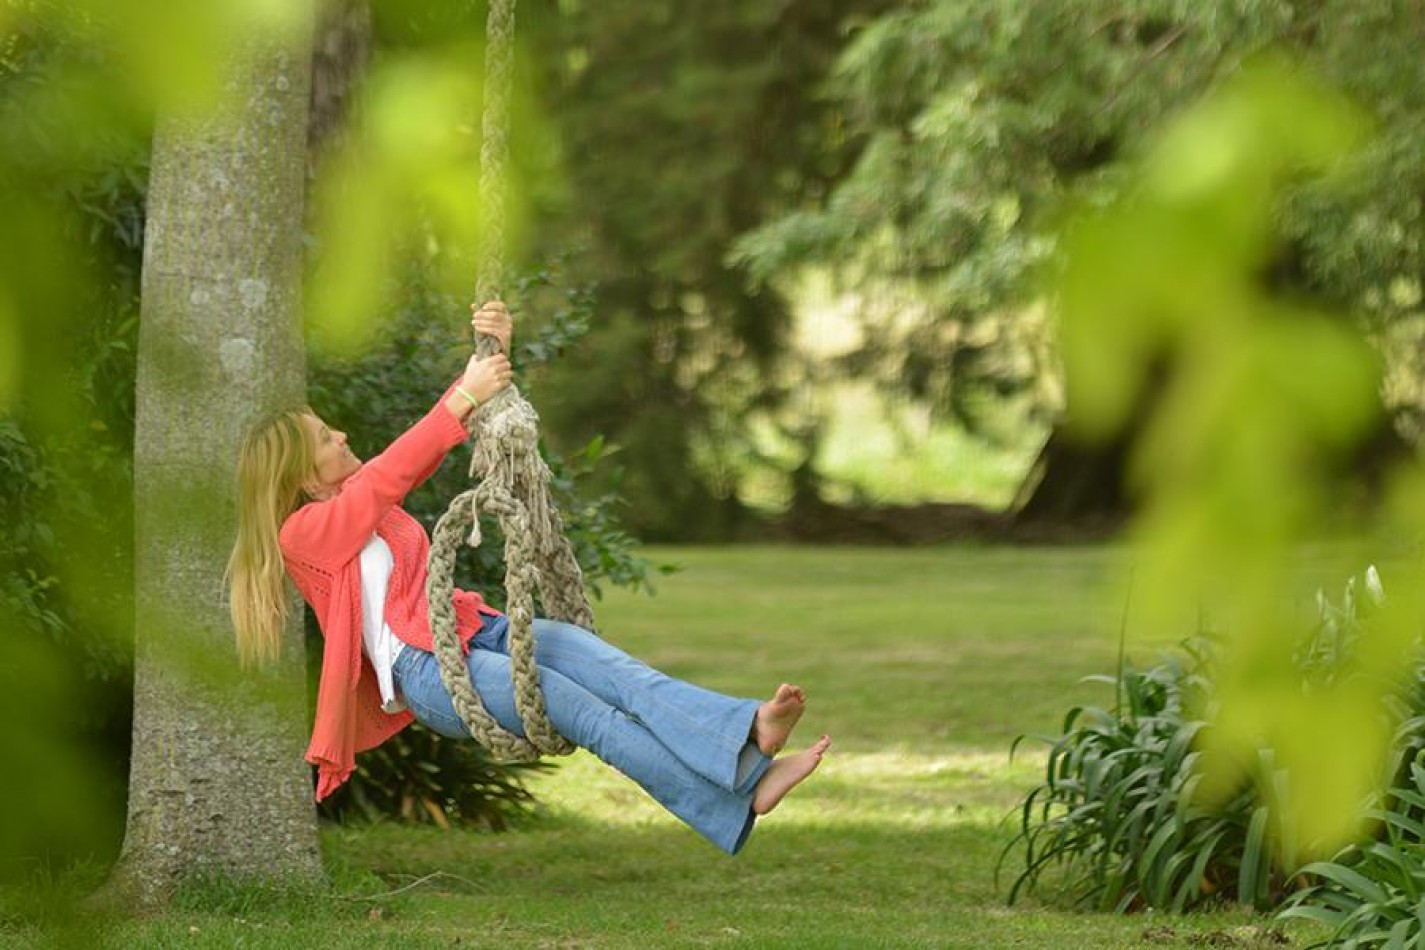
(1116, 815)
(1123, 820)
(1372, 894)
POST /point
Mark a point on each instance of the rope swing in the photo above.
(512, 480)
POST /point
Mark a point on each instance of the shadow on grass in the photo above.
(804, 881)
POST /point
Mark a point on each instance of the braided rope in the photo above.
(495, 151)
(513, 482)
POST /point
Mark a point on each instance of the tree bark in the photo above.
(218, 786)
(340, 56)
(1076, 484)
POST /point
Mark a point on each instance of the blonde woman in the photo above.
(309, 509)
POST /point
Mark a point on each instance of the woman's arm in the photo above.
(336, 529)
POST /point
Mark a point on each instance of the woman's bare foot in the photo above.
(777, 717)
(786, 774)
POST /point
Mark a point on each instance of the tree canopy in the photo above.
(982, 122)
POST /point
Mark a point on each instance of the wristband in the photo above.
(474, 403)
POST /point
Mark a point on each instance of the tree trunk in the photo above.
(1076, 484)
(217, 784)
(339, 59)
(1082, 487)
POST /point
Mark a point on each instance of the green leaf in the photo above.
(1256, 862)
(1190, 888)
(1354, 883)
(1331, 918)
(1399, 934)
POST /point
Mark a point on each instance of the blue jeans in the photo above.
(686, 746)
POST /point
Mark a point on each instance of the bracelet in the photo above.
(474, 403)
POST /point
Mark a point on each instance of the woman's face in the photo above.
(335, 462)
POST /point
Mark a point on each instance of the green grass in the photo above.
(922, 665)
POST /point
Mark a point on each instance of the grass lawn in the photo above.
(922, 664)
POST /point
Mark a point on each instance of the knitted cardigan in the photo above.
(321, 548)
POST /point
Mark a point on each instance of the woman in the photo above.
(311, 509)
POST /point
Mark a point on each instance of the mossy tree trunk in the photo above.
(217, 785)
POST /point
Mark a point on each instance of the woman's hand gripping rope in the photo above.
(485, 377)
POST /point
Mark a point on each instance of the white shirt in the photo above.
(381, 645)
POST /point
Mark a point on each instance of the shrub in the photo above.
(1119, 813)
(423, 778)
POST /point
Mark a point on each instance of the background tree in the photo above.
(217, 784)
(981, 121)
(680, 126)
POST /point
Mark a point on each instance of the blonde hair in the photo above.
(277, 456)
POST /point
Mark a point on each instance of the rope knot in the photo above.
(509, 429)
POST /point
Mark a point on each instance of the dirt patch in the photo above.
(1245, 936)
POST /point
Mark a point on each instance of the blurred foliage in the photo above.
(1125, 814)
(399, 188)
(406, 175)
(1252, 403)
(70, 246)
(976, 121)
(79, 85)
(64, 797)
(1172, 314)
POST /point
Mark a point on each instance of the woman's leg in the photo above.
(723, 816)
(708, 731)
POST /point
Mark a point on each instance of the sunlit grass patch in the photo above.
(896, 787)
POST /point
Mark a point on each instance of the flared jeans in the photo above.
(688, 747)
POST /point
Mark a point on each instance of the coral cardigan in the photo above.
(321, 547)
